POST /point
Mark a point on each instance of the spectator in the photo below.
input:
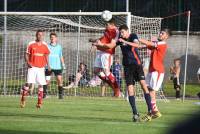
(116, 69)
(81, 78)
(175, 71)
(95, 81)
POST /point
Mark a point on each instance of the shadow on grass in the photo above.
(21, 115)
(31, 132)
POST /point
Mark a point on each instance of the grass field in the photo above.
(87, 116)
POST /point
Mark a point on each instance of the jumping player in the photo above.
(156, 69)
(133, 70)
(104, 58)
(56, 62)
(36, 58)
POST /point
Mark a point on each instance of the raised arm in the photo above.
(133, 44)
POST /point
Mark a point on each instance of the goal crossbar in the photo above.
(61, 13)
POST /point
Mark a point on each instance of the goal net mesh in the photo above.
(73, 34)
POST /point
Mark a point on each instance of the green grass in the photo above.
(77, 115)
(191, 89)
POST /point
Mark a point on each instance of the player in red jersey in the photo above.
(155, 76)
(104, 58)
(36, 58)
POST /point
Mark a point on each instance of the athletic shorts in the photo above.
(56, 73)
(176, 83)
(154, 80)
(36, 75)
(103, 60)
(133, 73)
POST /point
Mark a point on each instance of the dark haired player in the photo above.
(156, 69)
(104, 57)
(56, 63)
(36, 58)
(133, 70)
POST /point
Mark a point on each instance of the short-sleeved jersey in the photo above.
(130, 54)
(55, 56)
(158, 52)
(109, 35)
(37, 54)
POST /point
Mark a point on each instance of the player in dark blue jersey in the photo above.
(133, 70)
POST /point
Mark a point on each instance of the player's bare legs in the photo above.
(103, 88)
(78, 78)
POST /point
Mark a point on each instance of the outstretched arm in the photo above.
(129, 43)
(147, 43)
(110, 45)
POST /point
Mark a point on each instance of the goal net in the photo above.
(74, 31)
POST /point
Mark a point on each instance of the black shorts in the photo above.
(56, 72)
(176, 83)
(133, 73)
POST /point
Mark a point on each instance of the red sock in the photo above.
(112, 81)
(154, 107)
(40, 95)
(24, 93)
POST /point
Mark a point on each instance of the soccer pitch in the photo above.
(77, 115)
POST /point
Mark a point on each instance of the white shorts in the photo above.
(36, 75)
(103, 60)
(154, 80)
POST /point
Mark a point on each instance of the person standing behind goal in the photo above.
(104, 58)
(56, 63)
(175, 71)
(155, 75)
(36, 58)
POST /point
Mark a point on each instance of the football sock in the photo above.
(112, 81)
(132, 103)
(44, 90)
(24, 92)
(154, 107)
(60, 92)
(148, 101)
(178, 94)
(40, 95)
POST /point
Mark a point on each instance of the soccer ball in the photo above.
(106, 15)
